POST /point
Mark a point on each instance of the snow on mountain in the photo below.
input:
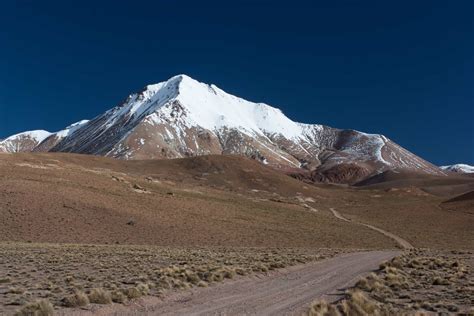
(54, 138)
(38, 140)
(23, 142)
(71, 129)
(213, 109)
(182, 117)
(459, 168)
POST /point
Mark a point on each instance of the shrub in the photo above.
(229, 274)
(132, 293)
(143, 288)
(359, 304)
(100, 296)
(16, 290)
(75, 300)
(38, 308)
(322, 308)
(118, 296)
(5, 280)
(192, 277)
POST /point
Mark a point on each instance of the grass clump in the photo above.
(38, 308)
(72, 276)
(359, 304)
(118, 296)
(322, 308)
(192, 277)
(419, 281)
(440, 281)
(143, 288)
(77, 299)
(16, 290)
(100, 296)
(133, 292)
(5, 280)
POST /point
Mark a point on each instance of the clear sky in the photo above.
(401, 68)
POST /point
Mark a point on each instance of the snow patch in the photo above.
(460, 168)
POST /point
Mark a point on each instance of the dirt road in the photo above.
(402, 242)
(286, 292)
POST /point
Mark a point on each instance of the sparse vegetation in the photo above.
(72, 276)
(118, 296)
(100, 296)
(38, 308)
(77, 299)
(416, 282)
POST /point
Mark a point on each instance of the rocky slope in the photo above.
(182, 117)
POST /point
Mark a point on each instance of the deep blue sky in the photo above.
(401, 68)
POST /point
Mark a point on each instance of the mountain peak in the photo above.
(175, 81)
(183, 117)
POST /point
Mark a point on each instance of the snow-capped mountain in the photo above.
(459, 168)
(54, 138)
(38, 140)
(23, 142)
(182, 117)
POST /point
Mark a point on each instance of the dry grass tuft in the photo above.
(143, 288)
(100, 296)
(202, 284)
(118, 296)
(5, 280)
(16, 290)
(38, 308)
(77, 299)
(322, 308)
(417, 282)
(359, 304)
(132, 293)
(117, 273)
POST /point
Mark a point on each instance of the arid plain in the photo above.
(81, 231)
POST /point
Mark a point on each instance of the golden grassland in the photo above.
(38, 276)
(419, 281)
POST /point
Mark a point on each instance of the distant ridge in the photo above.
(459, 168)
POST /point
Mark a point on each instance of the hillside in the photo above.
(203, 201)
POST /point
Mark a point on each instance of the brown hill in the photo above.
(463, 197)
(463, 202)
(451, 185)
(204, 201)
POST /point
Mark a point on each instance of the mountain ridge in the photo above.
(459, 168)
(182, 117)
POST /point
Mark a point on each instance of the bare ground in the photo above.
(285, 292)
(401, 242)
(200, 202)
(208, 201)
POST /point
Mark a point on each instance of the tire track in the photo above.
(402, 242)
